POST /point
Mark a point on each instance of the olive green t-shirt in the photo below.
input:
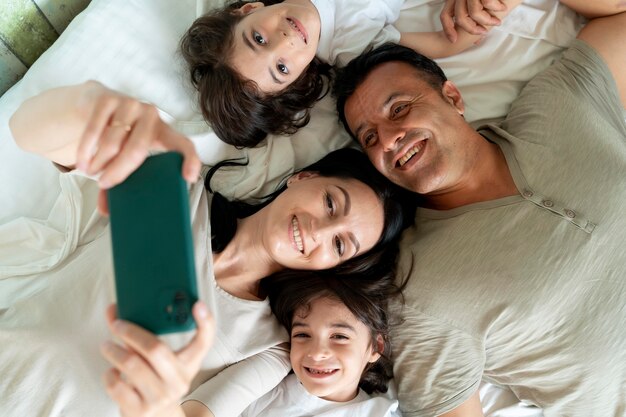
(528, 291)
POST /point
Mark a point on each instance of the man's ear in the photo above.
(302, 175)
(453, 96)
(378, 349)
(248, 8)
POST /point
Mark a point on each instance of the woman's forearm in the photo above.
(51, 124)
(98, 131)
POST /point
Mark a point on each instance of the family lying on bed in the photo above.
(514, 263)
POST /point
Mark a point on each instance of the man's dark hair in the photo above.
(349, 78)
(238, 112)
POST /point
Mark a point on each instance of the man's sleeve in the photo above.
(578, 87)
(436, 366)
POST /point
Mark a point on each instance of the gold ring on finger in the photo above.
(117, 123)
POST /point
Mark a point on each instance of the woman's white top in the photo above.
(52, 319)
(291, 399)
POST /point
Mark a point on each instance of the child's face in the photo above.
(273, 45)
(330, 349)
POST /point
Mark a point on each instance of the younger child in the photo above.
(340, 350)
(259, 66)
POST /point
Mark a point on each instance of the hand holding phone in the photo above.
(132, 384)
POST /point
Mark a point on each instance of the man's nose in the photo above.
(389, 135)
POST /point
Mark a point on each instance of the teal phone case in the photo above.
(155, 278)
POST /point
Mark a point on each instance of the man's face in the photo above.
(412, 132)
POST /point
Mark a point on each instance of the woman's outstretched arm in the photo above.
(98, 131)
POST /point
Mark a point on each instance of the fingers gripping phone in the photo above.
(155, 278)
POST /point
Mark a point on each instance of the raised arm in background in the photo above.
(450, 41)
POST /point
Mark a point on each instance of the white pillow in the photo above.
(132, 46)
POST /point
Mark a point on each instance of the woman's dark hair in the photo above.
(398, 206)
(366, 295)
(238, 112)
(349, 78)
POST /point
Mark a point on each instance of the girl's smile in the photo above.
(330, 349)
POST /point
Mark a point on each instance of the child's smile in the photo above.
(330, 348)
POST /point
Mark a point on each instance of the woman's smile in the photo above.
(297, 240)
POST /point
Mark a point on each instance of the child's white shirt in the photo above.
(291, 399)
(348, 27)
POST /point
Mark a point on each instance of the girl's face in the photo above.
(273, 45)
(330, 348)
(319, 222)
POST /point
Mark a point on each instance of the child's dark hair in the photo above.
(366, 295)
(238, 112)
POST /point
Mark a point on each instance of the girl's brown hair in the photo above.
(238, 112)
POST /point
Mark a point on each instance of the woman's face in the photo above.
(273, 45)
(330, 348)
(319, 222)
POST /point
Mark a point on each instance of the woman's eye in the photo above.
(258, 38)
(330, 204)
(340, 337)
(299, 335)
(282, 68)
(339, 246)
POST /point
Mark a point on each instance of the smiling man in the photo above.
(516, 259)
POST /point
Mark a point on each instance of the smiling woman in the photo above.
(333, 211)
(338, 213)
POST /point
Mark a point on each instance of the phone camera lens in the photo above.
(182, 317)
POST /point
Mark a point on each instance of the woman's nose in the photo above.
(323, 228)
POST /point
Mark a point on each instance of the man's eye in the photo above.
(399, 110)
(282, 68)
(369, 139)
(339, 246)
(258, 38)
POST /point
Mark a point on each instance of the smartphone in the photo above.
(153, 259)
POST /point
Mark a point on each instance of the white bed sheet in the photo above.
(131, 46)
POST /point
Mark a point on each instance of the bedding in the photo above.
(132, 46)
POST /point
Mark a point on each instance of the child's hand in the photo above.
(148, 378)
(471, 15)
